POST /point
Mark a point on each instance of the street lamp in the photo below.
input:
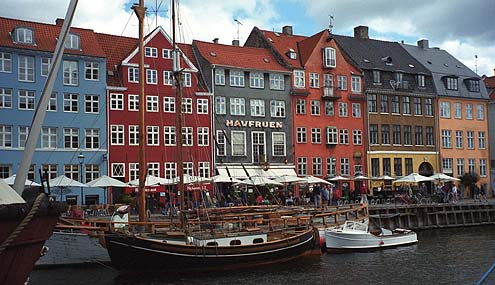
(81, 161)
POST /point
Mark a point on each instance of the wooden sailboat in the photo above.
(217, 249)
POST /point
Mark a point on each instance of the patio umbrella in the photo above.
(105, 182)
(384, 177)
(288, 179)
(338, 178)
(312, 180)
(8, 195)
(361, 177)
(224, 179)
(10, 181)
(444, 177)
(151, 181)
(413, 178)
(63, 182)
(190, 179)
(260, 181)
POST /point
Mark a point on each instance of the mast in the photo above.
(40, 113)
(140, 11)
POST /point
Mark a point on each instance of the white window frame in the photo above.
(277, 109)
(133, 102)
(5, 62)
(152, 103)
(237, 106)
(71, 138)
(152, 135)
(329, 57)
(150, 52)
(5, 136)
(187, 106)
(167, 78)
(357, 137)
(169, 136)
(92, 69)
(166, 53)
(116, 101)
(187, 79)
(117, 134)
(23, 135)
(220, 76)
(71, 72)
(133, 75)
(257, 107)
(445, 110)
(299, 79)
(221, 143)
(26, 100)
(71, 102)
(26, 71)
(203, 136)
(236, 78)
(46, 63)
(133, 134)
(118, 169)
(279, 144)
(257, 80)
(343, 109)
(202, 106)
(315, 108)
(276, 81)
(204, 169)
(457, 110)
(343, 136)
(92, 138)
(187, 136)
(236, 152)
(49, 137)
(355, 84)
(315, 135)
(356, 110)
(168, 104)
(91, 104)
(301, 135)
(314, 80)
(220, 105)
(332, 134)
(151, 76)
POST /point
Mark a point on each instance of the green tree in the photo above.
(469, 179)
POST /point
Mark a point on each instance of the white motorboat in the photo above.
(356, 236)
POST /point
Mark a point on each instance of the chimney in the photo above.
(215, 40)
(287, 30)
(235, 43)
(361, 32)
(423, 44)
(59, 22)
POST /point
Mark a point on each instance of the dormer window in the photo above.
(329, 58)
(473, 85)
(292, 54)
(24, 35)
(72, 41)
(451, 83)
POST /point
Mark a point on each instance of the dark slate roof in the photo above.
(374, 54)
(442, 64)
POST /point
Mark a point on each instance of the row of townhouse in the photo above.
(282, 104)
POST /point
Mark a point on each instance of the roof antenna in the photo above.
(155, 10)
(238, 24)
(330, 23)
(476, 63)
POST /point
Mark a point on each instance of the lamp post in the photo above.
(81, 161)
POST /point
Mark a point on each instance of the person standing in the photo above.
(454, 193)
(364, 193)
(483, 193)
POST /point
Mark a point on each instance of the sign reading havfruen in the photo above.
(253, 124)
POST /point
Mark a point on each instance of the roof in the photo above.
(375, 54)
(308, 45)
(188, 52)
(45, 37)
(238, 57)
(283, 43)
(441, 64)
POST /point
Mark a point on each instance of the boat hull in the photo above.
(335, 240)
(133, 254)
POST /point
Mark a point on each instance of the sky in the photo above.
(466, 29)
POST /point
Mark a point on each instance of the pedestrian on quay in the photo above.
(476, 192)
(483, 193)
(364, 193)
(454, 194)
(330, 194)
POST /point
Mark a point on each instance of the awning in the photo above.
(237, 171)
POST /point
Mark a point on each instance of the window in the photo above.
(277, 109)
(469, 111)
(314, 80)
(395, 105)
(52, 103)
(170, 170)
(344, 136)
(117, 134)
(345, 168)
(187, 79)
(169, 135)
(46, 63)
(187, 106)
(169, 104)
(355, 84)
(315, 107)
(277, 81)
(23, 135)
(133, 74)
(420, 80)
(118, 169)
(383, 104)
(92, 138)
(238, 139)
(385, 134)
(328, 85)
(342, 82)
(133, 135)
(396, 134)
(258, 146)
(257, 107)
(428, 107)
(256, 80)
(407, 135)
(375, 167)
(204, 169)
(459, 139)
(203, 136)
(332, 135)
(357, 137)
(387, 170)
(91, 104)
(399, 77)
(220, 105)
(417, 106)
(460, 166)
(23, 35)
(480, 111)
(300, 106)
(71, 73)
(167, 77)
(219, 76)
(418, 134)
(151, 76)
(483, 167)
(446, 138)
(5, 136)
(302, 166)
(301, 135)
(153, 135)
(470, 139)
(237, 78)
(72, 41)
(152, 103)
(133, 102)
(451, 83)
(331, 166)
(133, 171)
(329, 57)
(5, 62)
(153, 168)
(49, 138)
(481, 140)
(278, 144)
(430, 141)
(409, 165)
(50, 169)
(329, 108)
(447, 165)
(373, 134)
(445, 109)
(316, 166)
(376, 77)
(221, 144)
(315, 135)
(202, 106)
(458, 110)
(343, 109)
(406, 105)
(26, 100)
(237, 106)
(372, 108)
(92, 71)
(397, 167)
(166, 53)
(71, 138)
(187, 136)
(116, 101)
(299, 79)
(473, 85)
(356, 110)
(471, 165)
(26, 68)
(150, 52)
(72, 171)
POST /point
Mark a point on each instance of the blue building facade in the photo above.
(73, 137)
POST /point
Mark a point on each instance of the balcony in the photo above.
(329, 93)
(299, 92)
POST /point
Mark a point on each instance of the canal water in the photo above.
(442, 256)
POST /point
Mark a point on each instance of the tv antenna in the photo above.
(155, 10)
(476, 63)
(238, 24)
(330, 23)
